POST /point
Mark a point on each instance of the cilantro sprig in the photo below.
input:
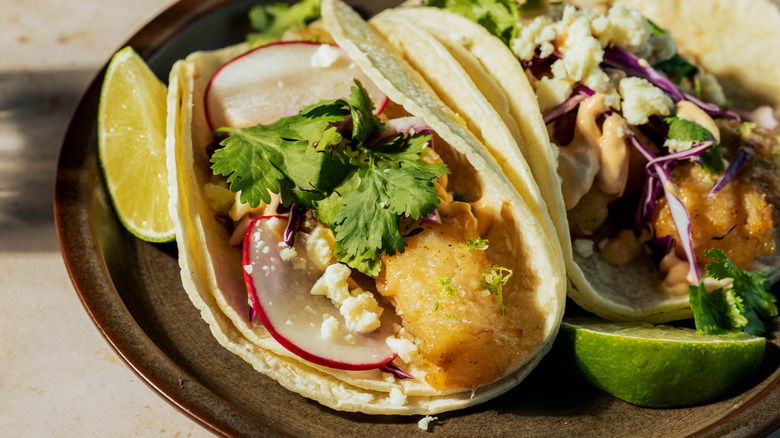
(359, 189)
(739, 308)
(685, 130)
(499, 17)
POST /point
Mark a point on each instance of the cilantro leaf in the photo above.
(271, 21)
(740, 307)
(365, 122)
(278, 158)
(676, 68)
(367, 223)
(685, 130)
(362, 193)
(499, 17)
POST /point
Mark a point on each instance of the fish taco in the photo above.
(340, 229)
(662, 184)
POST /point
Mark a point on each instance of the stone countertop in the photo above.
(58, 376)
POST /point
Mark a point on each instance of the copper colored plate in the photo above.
(132, 292)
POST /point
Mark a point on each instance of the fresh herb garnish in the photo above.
(359, 192)
(271, 21)
(481, 244)
(685, 130)
(676, 68)
(445, 288)
(738, 308)
(492, 280)
(499, 17)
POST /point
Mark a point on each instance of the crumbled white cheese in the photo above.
(287, 253)
(711, 91)
(624, 27)
(641, 99)
(361, 312)
(677, 146)
(397, 397)
(425, 422)
(325, 56)
(538, 32)
(330, 327)
(248, 269)
(551, 92)
(404, 348)
(583, 247)
(276, 224)
(319, 246)
(333, 283)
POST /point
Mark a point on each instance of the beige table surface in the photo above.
(58, 377)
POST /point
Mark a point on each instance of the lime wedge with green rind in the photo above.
(660, 366)
(131, 146)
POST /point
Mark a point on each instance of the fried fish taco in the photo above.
(648, 170)
(373, 263)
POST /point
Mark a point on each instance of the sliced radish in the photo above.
(280, 292)
(278, 80)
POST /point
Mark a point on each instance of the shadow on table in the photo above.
(35, 108)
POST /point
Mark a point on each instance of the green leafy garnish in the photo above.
(676, 68)
(685, 130)
(445, 289)
(481, 244)
(492, 280)
(360, 192)
(499, 17)
(739, 308)
(271, 21)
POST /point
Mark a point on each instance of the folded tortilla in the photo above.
(443, 45)
(212, 269)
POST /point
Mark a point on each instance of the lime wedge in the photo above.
(660, 366)
(131, 146)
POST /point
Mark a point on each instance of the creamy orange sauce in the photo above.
(676, 270)
(689, 111)
(594, 152)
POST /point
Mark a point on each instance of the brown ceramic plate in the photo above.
(132, 292)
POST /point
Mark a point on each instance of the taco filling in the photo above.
(348, 241)
(653, 161)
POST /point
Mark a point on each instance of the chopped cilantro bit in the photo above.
(739, 308)
(654, 28)
(685, 130)
(271, 21)
(359, 192)
(435, 306)
(676, 68)
(449, 316)
(499, 17)
(492, 280)
(445, 288)
(481, 244)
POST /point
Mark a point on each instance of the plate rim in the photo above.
(102, 302)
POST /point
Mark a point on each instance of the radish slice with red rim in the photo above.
(278, 80)
(279, 288)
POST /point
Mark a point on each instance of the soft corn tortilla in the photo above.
(211, 267)
(616, 293)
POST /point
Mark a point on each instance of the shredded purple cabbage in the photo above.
(742, 156)
(394, 127)
(615, 57)
(396, 371)
(292, 225)
(659, 175)
(433, 218)
(694, 151)
(567, 105)
(618, 58)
